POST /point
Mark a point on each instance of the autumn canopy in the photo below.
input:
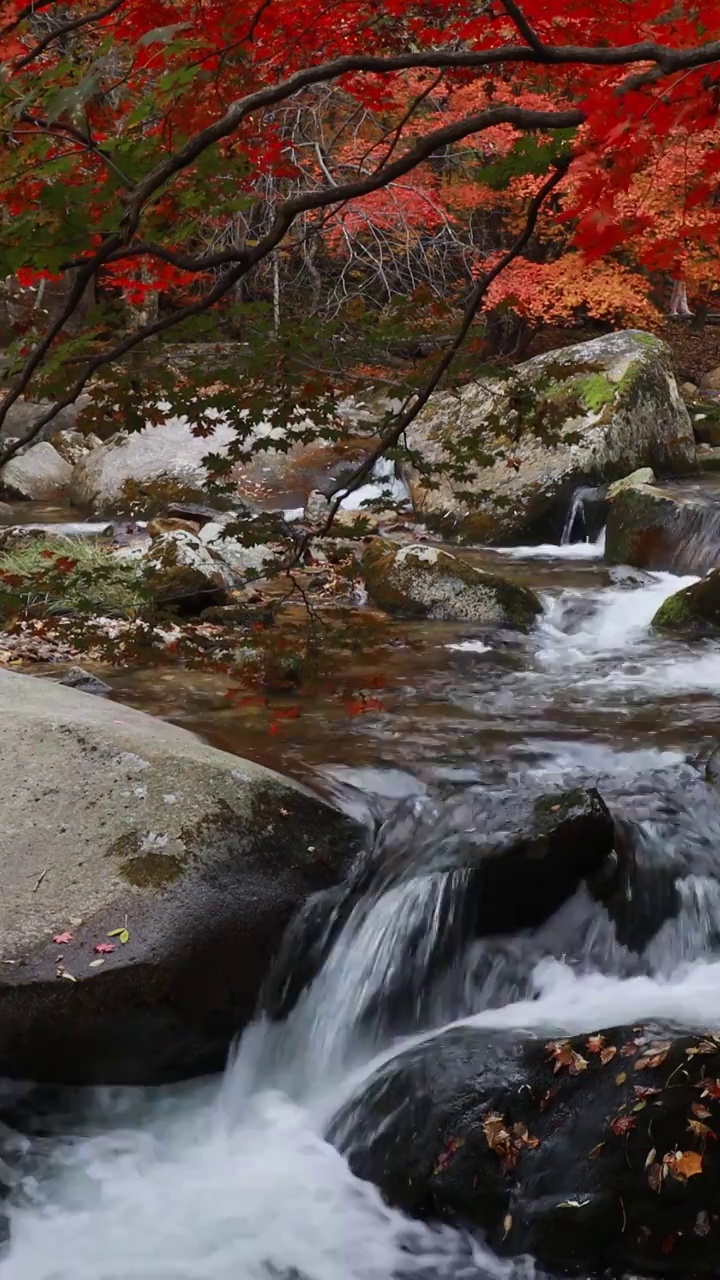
(287, 167)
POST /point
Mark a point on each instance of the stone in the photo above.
(427, 582)
(689, 390)
(317, 507)
(709, 458)
(705, 418)
(182, 573)
(78, 678)
(693, 612)
(38, 475)
(651, 528)
(23, 415)
(644, 475)
(142, 472)
(586, 415)
(243, 559)
(545, 1146)
(710, 381)
(74, 445)
(114, 819)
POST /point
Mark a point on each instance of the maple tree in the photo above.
(205, 152)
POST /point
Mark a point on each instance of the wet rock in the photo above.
(426, 582)
(185, 575)
(693, 612)
(39, 475)
(246, 556)
(651, 528)
(592, 1153)
(588, 414)
(708, 458)
(85, 682)
(317, 507)
(19, 535)
(644, 475)
(113, 818)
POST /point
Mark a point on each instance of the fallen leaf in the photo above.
(593, 1155)
(701, 1130)
(702, 1113)
(650, 1158)
(104, 948)
(67, 975)
(94, 964)
(608, 1054)
(574, 1204)
(630, 1049)
(668, 1244)
(710, 1088)
(705, 1046)
(623, 1124)
(564, 1056)
(655, 1177)
(645, 1090)
(595, 1044)
(62, 939)
(507, 1223)
(683, 1164)
(640, 1106)
(621, 1078)
(453, 1145)
(653, 1057)
(76, 921)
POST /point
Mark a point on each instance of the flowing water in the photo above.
(231, 1179)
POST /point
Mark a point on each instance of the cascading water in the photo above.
(234, 1180)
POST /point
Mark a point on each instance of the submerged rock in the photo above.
(112, 820)
(589, 1153)
(85, 682)
(587, 414)
(426, 582)
(651, 528)
(693, 612)
(39, 475)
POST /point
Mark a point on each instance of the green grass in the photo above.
(66, 576)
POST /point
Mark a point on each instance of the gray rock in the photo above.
(39, 475)
(653, 528)
(115, 819)
(74, 445)
(588, 414)
(240, 558)
(427, 582)
(78, 678)
(25, 413)
(183, 573)
(145, 471)
(644, 475)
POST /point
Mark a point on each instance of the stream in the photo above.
(231, 1179)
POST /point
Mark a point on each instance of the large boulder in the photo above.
(693, 612)
(598, 1153)
(23, 415)
(144, 471)
(426, 582)
(588, 414)
(652, 528)
(181, 573)
(40, 475)
(113, 820)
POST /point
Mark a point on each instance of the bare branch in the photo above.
(64, 29)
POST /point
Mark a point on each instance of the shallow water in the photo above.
(231, 1179)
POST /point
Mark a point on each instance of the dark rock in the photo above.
(607, 1159)
(651, 528)
(693, 612)
(85, 682)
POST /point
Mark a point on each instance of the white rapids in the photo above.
(232, 1180)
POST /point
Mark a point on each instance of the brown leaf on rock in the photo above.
(565, 1056)
(445, 1156)
(508, 1144)
(623, 1124)
(655, 1177)
(654, 1057)
(629, 1049)
(701, 1131)
(621, 1078)
(683, 1164)
(702, 1112)
(607, 1055)
(595, 1044)
(704, 1046)
(645, 1090)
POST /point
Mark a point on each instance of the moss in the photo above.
(597, 391)
(151, 870)
(674, 613)
(695, 610)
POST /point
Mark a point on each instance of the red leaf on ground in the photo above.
(104, 948)
(62, 939)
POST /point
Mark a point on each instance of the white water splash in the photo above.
(557, 551)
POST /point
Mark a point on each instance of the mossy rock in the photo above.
(694, 611)
(419, 581)
(651, 528)
(705, 418)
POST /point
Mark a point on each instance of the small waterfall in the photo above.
(582, 522)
